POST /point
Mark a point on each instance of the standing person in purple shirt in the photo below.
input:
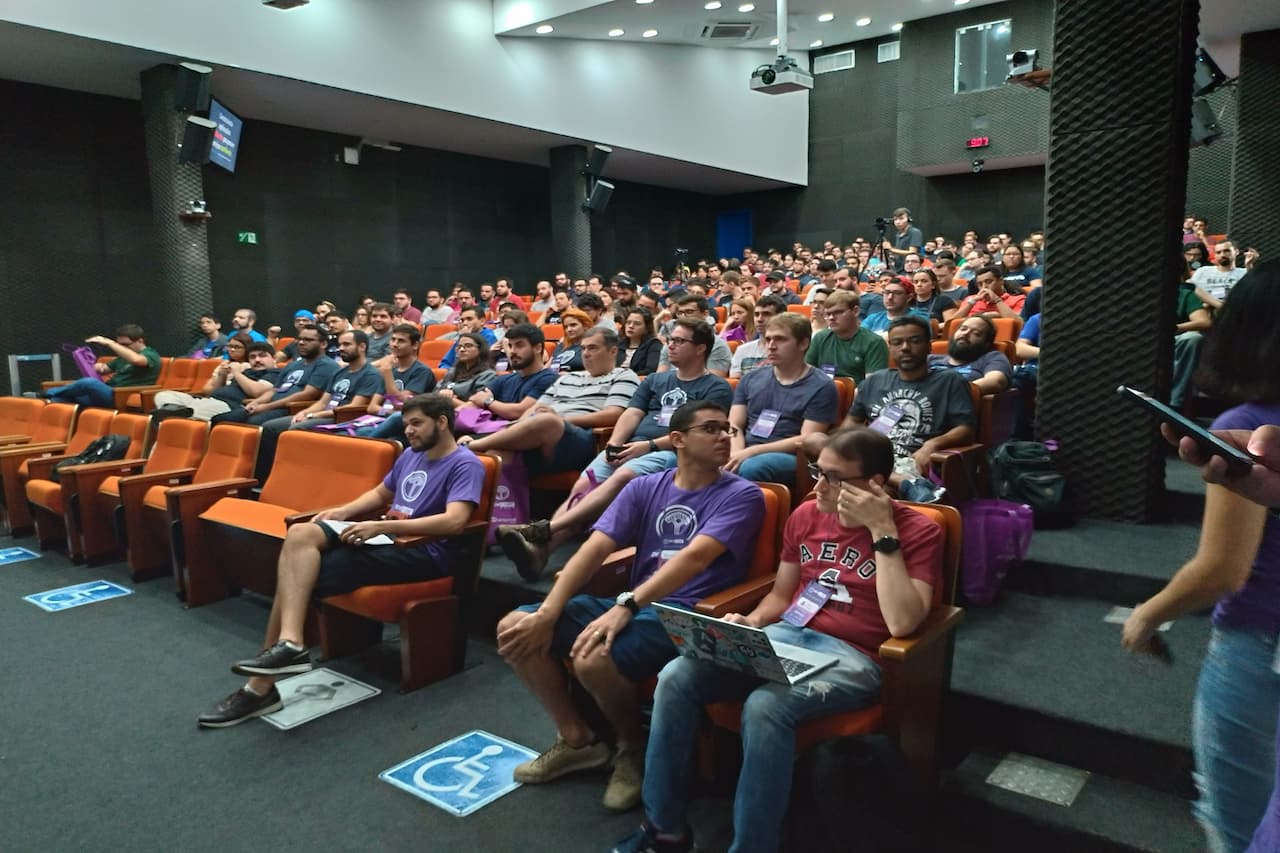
(1237, 566)
(431, 490)
(694, 528)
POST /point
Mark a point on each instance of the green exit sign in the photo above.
(250, 237)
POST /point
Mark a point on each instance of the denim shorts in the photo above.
(649, 463)
(639, 651)
(573, 451)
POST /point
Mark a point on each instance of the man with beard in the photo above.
(543, 299)
(431, 491)
(971, 353)
(302, 380)
(512, 394)
(380, 340)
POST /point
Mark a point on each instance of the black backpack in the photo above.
(109, 448)
(1023, 472)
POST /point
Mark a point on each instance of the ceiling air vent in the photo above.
(829, 62)
(729, 31)
(888, 51)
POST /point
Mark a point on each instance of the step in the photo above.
(1046, 676)
(1107, 816)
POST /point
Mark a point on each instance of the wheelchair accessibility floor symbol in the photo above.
(16, 555)
(462, 775)
(79, 595)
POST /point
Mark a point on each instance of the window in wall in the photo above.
(980, 56)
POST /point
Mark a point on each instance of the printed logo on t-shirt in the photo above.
(399, 384)
(291, 379)
(916, 421)
(675, 398)
(339, 392)
(412, 486)
(675, 526)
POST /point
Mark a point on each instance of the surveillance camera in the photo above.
(977, 166)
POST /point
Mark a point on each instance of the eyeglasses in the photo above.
(714, 428)
(830, 476)
(673, 340)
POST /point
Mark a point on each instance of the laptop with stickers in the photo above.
(739, 647)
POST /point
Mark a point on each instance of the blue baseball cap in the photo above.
(304, 313)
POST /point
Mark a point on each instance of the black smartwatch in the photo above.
(886, 545)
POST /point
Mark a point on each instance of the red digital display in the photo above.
(978, 142)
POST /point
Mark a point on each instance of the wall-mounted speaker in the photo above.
(601, 192)
(197, 140)
(191, 88)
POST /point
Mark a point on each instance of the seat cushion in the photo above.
(110, 487)
(47, 494)
(387, 603)
(728, 715)
(266, 519)
(155, 497)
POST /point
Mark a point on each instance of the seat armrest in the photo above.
(21, 450)
(303, 517)
(42, 468)
(121, 394)
(132, 488)
(342, 414)
(739, 598)
(18, 438)
(295, 407)
(222, 488)
(471, 528)
(940, 622)
(602, 436)
(120, 467)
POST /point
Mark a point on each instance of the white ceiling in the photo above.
(57, 59)
(682, 21)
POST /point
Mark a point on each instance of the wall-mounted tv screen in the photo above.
(226, 138)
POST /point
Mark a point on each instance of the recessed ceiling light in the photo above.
(825, 17)
(613, 34)
(862, 22)
(649, 33)
(643, 2)
(773, 42)
(544, 29)
(712, 6)
(816, 43)
(747, 7)
(897, 28)
(961, 2)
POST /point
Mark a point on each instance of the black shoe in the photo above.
(238, 707)
(646, 840)
(280, 659)
(520, 543)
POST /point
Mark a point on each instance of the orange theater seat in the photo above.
(915, 669)
(433, 615)
(130, 395)
(435, 330)
(430, 352)
(57, 508)
(237, 540)
(15, 463)
(18, 416)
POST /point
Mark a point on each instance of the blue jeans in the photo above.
(770, 716)
(1233, 732)
(85, 392)
(392, 427)
(770, 468)
(1186, 354)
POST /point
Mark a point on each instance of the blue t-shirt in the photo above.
(421, 486)
(660, 519)
(976, 369)
(660, 394)
(880, 322)
(870, 303)
(1015, 282)
(300, 373)
(347, 384)
(515, 387)
(1256, 607)
(1031, 332)
(812, 398)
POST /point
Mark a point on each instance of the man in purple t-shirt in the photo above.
(432, 490)
(694, 529)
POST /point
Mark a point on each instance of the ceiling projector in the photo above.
(781, 77)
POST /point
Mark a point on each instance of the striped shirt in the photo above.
(580, 393)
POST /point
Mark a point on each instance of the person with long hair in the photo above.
(641, 349)
(567, 355)
(929, 302)
(470, 371)
(1236, 569)
(740, 325)
(360, 320)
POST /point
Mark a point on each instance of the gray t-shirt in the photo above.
(721, 357)
(660, 394)
(378, 346)
(976, 369)
(1215, 282)
(922, 410)
(777, 411)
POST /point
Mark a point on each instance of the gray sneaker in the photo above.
(623, 792)
(562, 759)
(527, 546)
(280, 659)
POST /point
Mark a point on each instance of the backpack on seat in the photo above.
(109, 448)
(1023, 472)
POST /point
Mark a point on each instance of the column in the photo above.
(186, 288)
(1255, 188)
(570, 224)
(1119, 123)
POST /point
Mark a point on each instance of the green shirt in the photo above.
(125, 373)
(1188, 302)
(866, 352)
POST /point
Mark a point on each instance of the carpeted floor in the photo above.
(99, 749)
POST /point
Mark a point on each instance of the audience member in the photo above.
(991, 297)
(302, 380)
(232, 382)
(639, 349)
(1214, 282)
(567, 354)
(243, 320)
(134, 363)
(380, 336)
(211, 343)
(971, 352)
(470, 371)
(751, 354)
(844, 348)
(692, 306)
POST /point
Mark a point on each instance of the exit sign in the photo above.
(250, 237)
(978, 142)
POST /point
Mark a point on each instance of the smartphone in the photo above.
(612, 451)
(1238, 462)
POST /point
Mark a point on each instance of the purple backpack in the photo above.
(996, 537)
(85, 360)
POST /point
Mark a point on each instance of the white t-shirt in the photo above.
(1215, 282)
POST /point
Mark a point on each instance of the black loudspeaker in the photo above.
(191, 88)
(197, 140)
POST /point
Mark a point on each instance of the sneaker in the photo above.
(280, 659)
(623, 791)
(527, 546)
(646, 840)
(238, 707)
(562, 759)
